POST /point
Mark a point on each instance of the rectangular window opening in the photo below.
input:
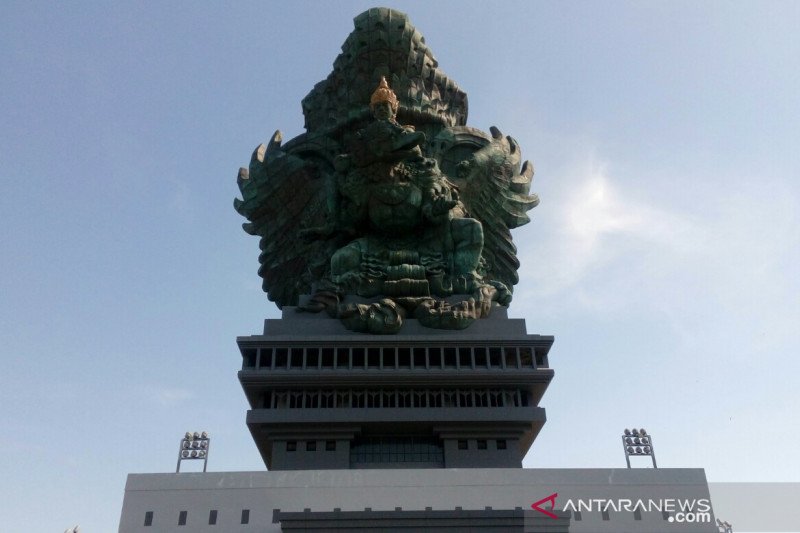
(327, 358)
(419, 358)
(404, 357)
(358, 358)
(327, 399)
(281, 399)
(420, 398)
(245, 516)
(450, 357)
(296, 399)
(311, 446)
(501, 444)
(343, 399)
(249, 357)
(374, 356)
(523, 398)
(212, 517)
(291, 446)
(464, 357)
(404, 398)
(358, 399)
(435, 357)
(495, 354)
(462, 444)
(312, 399)
(389, 399)
(481, 444)
(374, 399)
(495, 399)
(388, 357)
(342, 357)
(267, 358)
(465, 398)
(481, 359)
(148, 519)
(526, 357)
(297, 357)
(312, 357)
(281, 357)
(510, 357)
(397, 450)
(435, 399)
(182, 518)
(448, 398)
(481, 398)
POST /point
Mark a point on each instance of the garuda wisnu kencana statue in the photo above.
(389, 206)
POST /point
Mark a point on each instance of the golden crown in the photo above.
(384, 94)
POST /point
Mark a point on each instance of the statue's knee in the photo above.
(347, 259)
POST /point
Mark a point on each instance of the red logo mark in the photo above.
(552, 500)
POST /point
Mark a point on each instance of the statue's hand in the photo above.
(380, 318)
(439, 314)
(494, 291)
(442, 205)
(484, 297)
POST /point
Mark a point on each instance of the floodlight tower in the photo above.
(194, 446)
(638, 442)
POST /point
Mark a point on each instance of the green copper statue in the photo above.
(389, 206)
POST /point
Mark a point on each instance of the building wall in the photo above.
(321, 491)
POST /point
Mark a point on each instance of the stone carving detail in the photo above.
(389, 206)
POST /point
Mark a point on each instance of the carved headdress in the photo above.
(384, 94)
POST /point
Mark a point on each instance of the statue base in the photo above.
(323, 397)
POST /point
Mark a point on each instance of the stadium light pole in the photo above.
(638, 442)
(194, 446)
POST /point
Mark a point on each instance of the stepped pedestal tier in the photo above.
(322, 397)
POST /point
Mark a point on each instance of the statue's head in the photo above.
(383, 102)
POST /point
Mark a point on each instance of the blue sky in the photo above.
(663, 256)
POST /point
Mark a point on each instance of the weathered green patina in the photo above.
(389, 205)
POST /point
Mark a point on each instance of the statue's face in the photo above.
(382, 111)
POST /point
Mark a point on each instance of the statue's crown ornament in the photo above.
(384, 94)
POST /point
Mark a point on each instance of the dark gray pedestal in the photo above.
(323, 397)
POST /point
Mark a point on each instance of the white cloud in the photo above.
(723, 255)
(594, 224)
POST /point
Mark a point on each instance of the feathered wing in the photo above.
(283, 192)
(494, 189)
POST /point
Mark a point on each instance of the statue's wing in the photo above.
(494, 189)
(283, 192)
